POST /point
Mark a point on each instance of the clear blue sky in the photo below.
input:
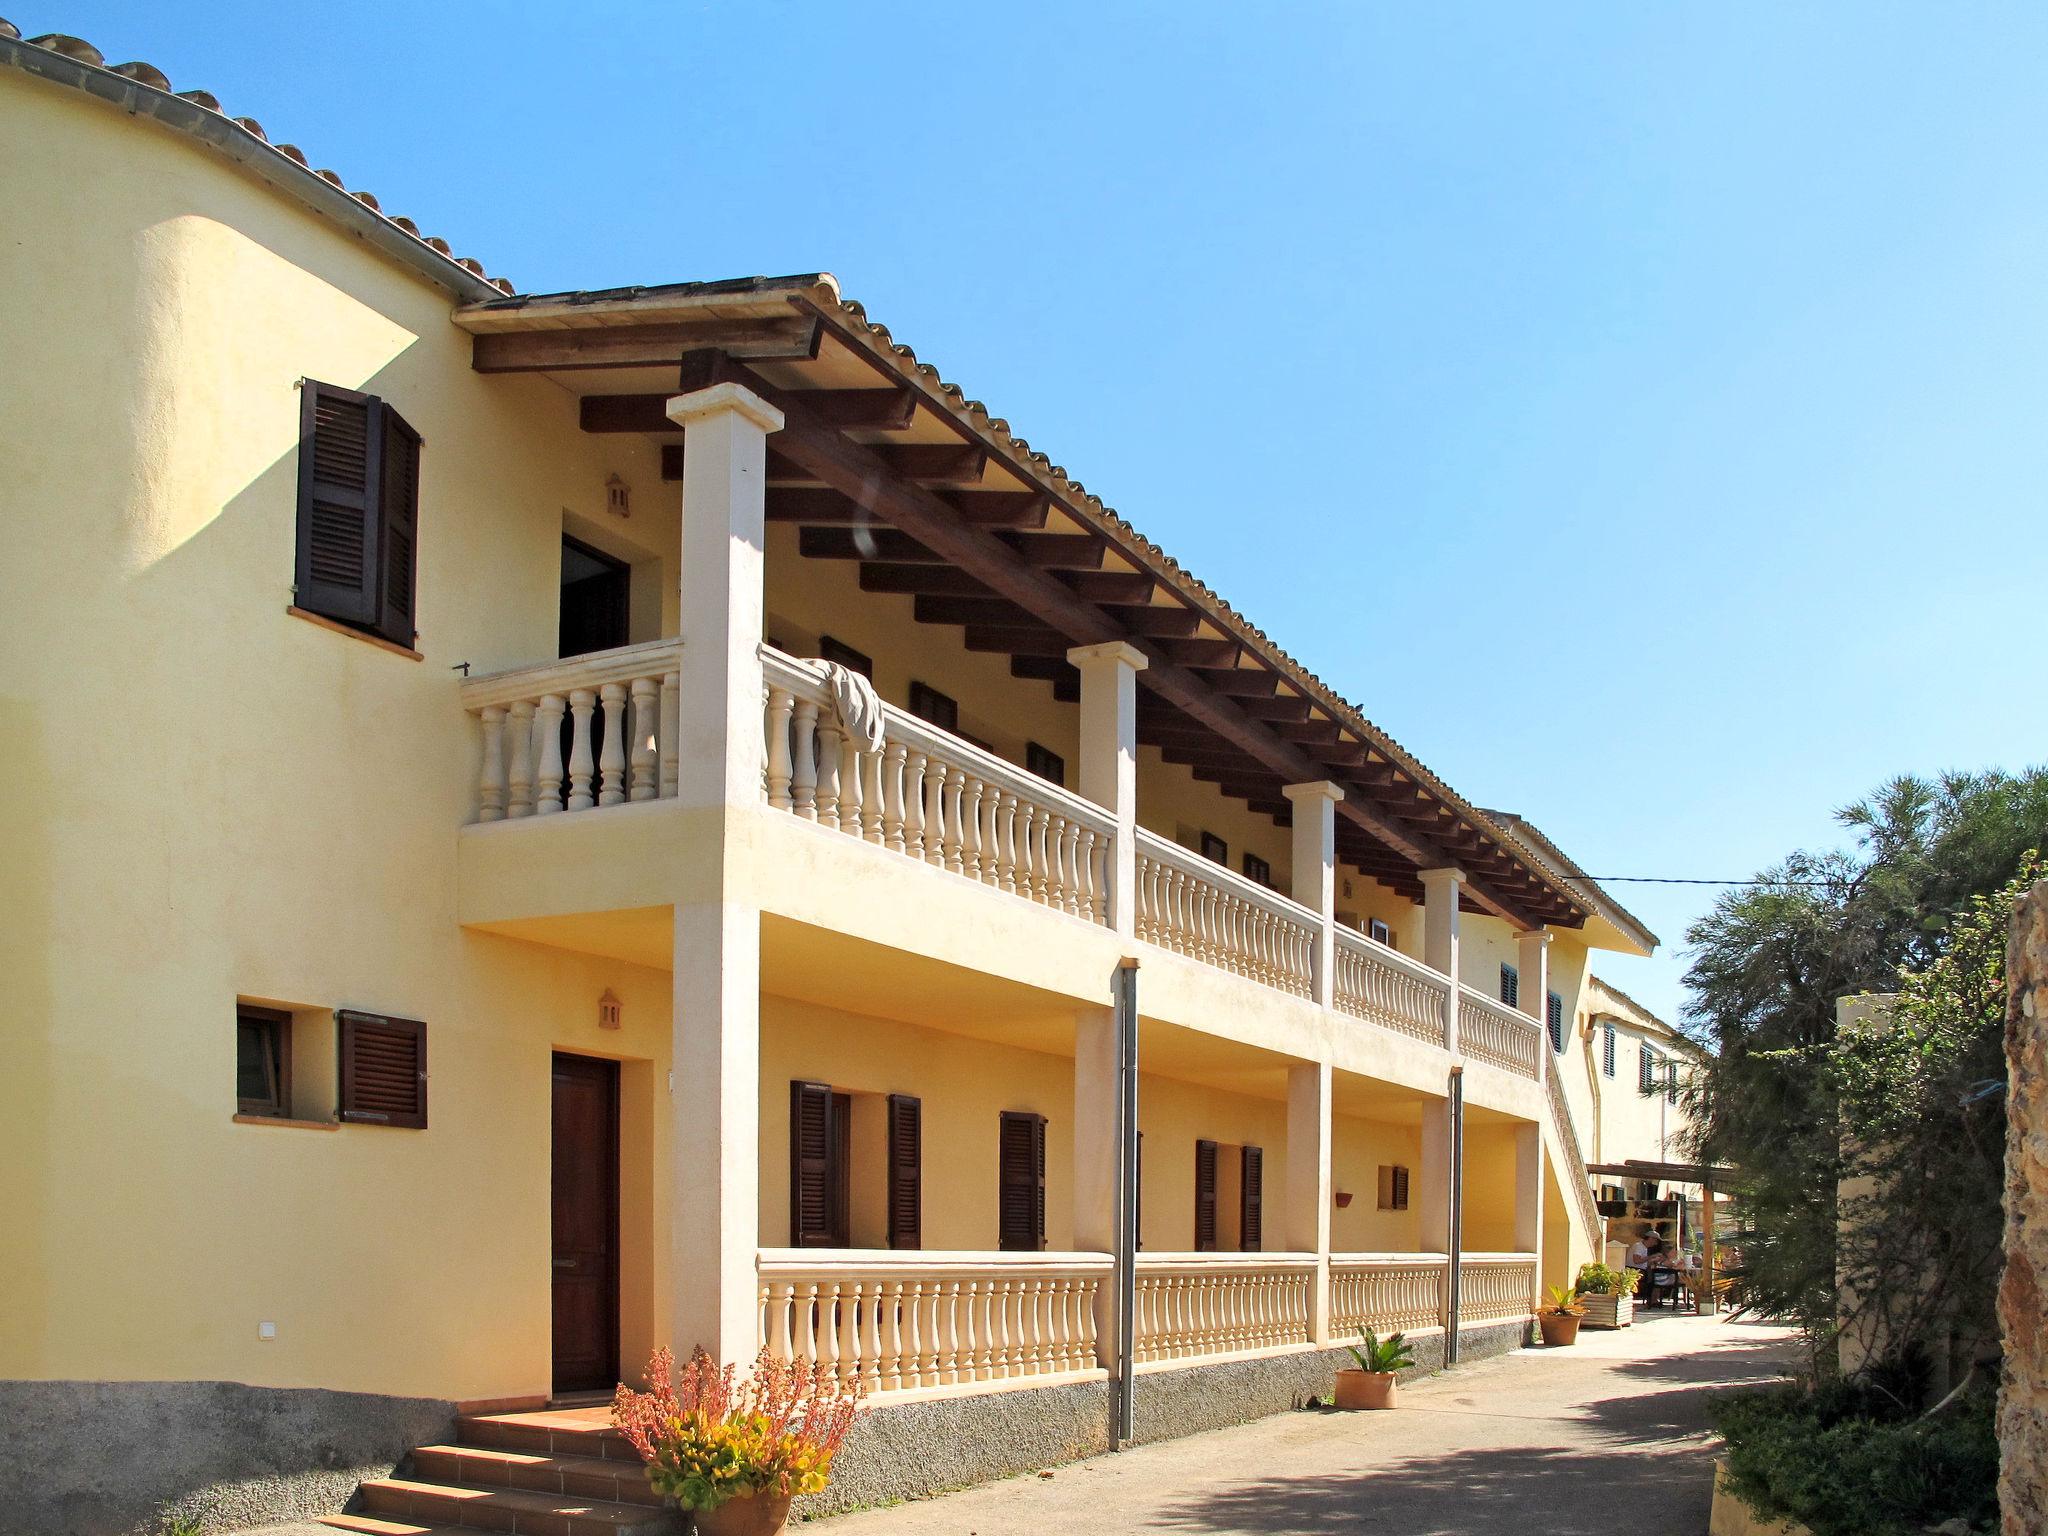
(1642, 416)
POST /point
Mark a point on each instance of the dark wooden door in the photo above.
(586, 1223)
(594, 589)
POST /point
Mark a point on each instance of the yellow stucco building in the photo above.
(467, 923)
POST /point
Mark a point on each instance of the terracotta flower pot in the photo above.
(754, 1515)
(1558, 1328)
(1365, 1389)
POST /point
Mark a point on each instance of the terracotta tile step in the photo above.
(513, 1510)
(370, 1525)
(587, 1477)
(585, 1432)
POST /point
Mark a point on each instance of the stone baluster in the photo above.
(646, 755)
(581, 763)
(781, 705)
(991, 848)
(519, 775)
(970, 826)
(548, 721)
(1085, 859)
(803, 760)
(850, 785)
(913, 803)
(935, 812)
(892, 795)
(872, 808)
(671, 732)
(611, 760)
(490, 786)
(1006, 841)
(956, 783)
(828, 769)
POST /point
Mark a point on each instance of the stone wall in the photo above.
(110, 1458)
(2023, 1394)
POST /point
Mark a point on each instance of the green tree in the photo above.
(1768, 964)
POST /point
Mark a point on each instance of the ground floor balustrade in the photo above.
(943, 1323)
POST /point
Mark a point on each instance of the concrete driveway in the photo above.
(1582, 1441)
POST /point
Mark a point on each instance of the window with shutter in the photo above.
(934, 707)
(1045, 762)
(1020, 1196)
(383, 1070)
(906, 1171)
(1251, 1221)
(1205, 1197)
(358, 514)
(263, 1061)
(1393, 1187)
(1553, 1012)
(815, 1170)
(1380, 933)
(1510, 986)
(1214, 847)
(1258, 871)
(1646, 1070)
(1607, 1050)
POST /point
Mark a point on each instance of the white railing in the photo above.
(1196, 906)
(899, 1321)
(1496, 1285)
(621, 708)
(934, 797)
(1386, 1292)
(1191, 1305)
(1385, 987)
(1492, 1031)
(1575, 1174)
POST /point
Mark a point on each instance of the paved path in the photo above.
(1571, 1442)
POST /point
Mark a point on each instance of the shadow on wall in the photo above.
(25, 1006)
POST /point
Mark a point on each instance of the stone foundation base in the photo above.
(913, 1450)
(111, 1458)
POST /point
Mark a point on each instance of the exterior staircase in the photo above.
(565, 1473)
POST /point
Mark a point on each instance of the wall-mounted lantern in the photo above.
(608, 1010)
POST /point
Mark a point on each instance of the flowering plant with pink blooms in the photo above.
(709, 1434)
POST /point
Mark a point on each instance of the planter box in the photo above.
(1608, 1311)
(1732, 1517)
(1365, 1389)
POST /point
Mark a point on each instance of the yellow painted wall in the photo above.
(1489, 1187)
(210, 798)
(1358, 1148)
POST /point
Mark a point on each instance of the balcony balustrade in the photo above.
(1385, 987)
(1197, 907)
(621, 709)
(930, 795)
(1491, 1031)
(901, 1322)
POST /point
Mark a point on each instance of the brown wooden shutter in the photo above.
(1020, 1209)
(810, 1165)
(340, 454)
(383, 1070)
(1251, 1225)
(1205, 1197)
(398, 538)
(906, 1171)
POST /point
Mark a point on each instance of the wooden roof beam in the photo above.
(643, 346)
(878, 410)
(824, 506)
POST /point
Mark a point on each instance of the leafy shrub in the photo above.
(1844, 1461)
(1599, 1280)
(1381, 1356)
(707, 1435)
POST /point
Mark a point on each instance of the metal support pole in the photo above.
(1126, 1276)
(1453, 1299)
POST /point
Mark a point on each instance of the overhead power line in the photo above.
(1683, 880)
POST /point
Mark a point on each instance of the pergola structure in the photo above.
(882, 463)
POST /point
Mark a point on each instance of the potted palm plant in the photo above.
(1371, 1384)
(1606, 1294)
(1558, 1318)
(732, 1451)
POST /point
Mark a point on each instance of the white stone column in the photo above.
(715, 1088)
(1529, 1198)
(1306, 1223)
(1432, 1184)
(1533, 969)
(1095, 1156)
(1109, 760)
(1315, 871)
(1440, 889)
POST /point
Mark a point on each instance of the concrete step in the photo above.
(587, 1477)
(513, 1510)
(584, 1432)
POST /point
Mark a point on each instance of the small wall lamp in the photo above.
(608, 1010)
